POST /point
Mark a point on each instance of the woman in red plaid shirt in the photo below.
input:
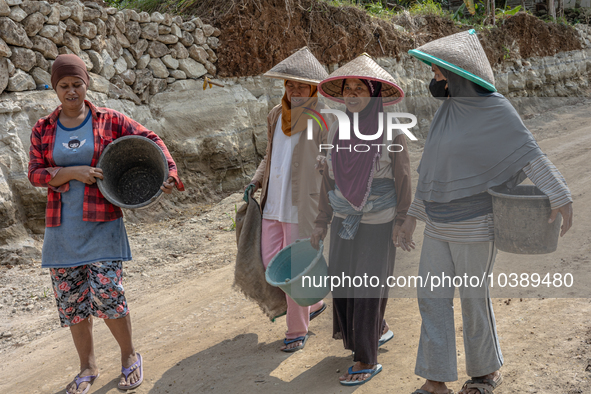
(85, 239)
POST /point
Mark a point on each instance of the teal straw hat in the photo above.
(460, 53)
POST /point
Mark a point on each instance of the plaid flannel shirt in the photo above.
(107, 125)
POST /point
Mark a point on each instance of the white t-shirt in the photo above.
(278, 205)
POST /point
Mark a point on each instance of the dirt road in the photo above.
(198, 335)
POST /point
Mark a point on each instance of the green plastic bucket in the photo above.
(300, 270)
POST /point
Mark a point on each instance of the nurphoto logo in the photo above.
(345, 129)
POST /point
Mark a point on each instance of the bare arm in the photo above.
(85, 174)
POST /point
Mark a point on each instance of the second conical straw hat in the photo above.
(362, 67)
(460, 53)
(302, 66)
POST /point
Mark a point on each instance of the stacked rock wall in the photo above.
(216, 136)
(129, 55)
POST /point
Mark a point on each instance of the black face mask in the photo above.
(438, 89)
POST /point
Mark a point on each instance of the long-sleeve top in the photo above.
(304, 178)
(400, 172)
(107, 125)
(540, 171)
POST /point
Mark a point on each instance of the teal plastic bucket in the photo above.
(300, 271)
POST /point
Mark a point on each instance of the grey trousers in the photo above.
(436, 358)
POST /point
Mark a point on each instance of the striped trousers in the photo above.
(436, 358)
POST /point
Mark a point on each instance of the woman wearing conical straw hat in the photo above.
(288, 178)
(476, 141)
(365, 193)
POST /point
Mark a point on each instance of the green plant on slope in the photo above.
(428, 7)
(506, 53)
(233, 226)
(508, 11)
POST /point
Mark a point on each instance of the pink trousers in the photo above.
(276, 236)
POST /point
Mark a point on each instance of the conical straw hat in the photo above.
(459, 53)
(302, 66)
(362, 67)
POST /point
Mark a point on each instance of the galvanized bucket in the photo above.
(521, 220)
(134, 168)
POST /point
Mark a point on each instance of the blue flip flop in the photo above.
(373, 373)
(85, 379)
(127, 371)
(385, 338)
(318, 312)
(295, 349)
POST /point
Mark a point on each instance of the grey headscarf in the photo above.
(476, 141)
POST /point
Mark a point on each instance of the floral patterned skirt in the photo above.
(92, 289)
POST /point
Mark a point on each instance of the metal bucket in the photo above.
(521, 220)
(134, 168)
(293, 262)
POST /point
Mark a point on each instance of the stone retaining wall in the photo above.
(129, 55)
(217, 136)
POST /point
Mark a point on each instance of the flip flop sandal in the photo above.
(295, 349)
(484, 386)
(318, 312)
(385, 338)
(449, 391)
(85, 379)
(372, 372)
(127, 371)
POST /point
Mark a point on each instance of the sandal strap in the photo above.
(318, 312)
(351, 372)
(483, 388)
(127, 371)
(84, 379)
(288, 341)
(490, 382)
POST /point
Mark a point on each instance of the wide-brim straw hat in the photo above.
(302, 66)
(362, 67)
(460, 53)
